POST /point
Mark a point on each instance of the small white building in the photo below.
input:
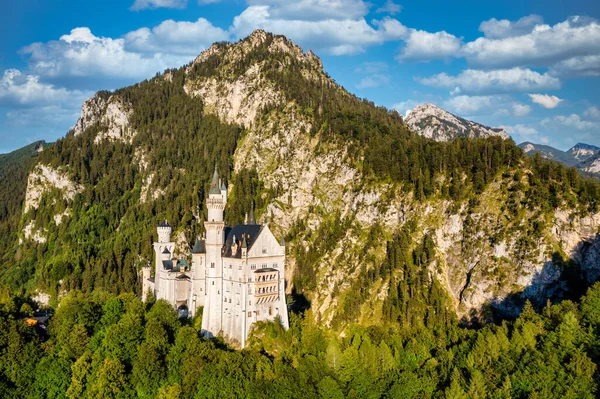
(237, 273)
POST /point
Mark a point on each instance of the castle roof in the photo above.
(214, 184)
(166, 251)
(164, 224)
(242, 232)
(199, 247)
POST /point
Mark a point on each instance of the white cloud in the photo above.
(143, 4)
(139, 55)
(375, 80)
(390, 8)
(571, 121)
(521, 130)
(545, 100)
(584, 66)
(519, 109)
(404, 107)
(391, 29)
(186, 38)
(592, 112)
(338, 37)
(544, 46)
(468, 105)
(426, 46)
(314, 10)
(494, 81)
(498, 29)
(19, 89)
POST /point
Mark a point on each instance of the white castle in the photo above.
(237, 273)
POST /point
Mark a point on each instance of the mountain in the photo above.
(584, 157)
(548, 152)
(383, 225)
(435, 123)
(582, 152)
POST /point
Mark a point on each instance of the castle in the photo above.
(236, 274)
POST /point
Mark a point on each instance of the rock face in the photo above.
(435, 123)
(582, 152)
(111, 113)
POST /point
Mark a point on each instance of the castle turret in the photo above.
(164, 231)
(164, 243)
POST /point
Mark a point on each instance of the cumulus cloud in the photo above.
(138, 55)
(390, 8)
(143, 4)
(544, 46)
(314, 10)
(570, 121)
(592, 112)
(338, 37)
(545, 100)
(376, 80)
(183, 37)
(426, 46)
(19, 89)
(584, 66)
(519, 109)
(494, 81)
(521, 130)
(469, 105)
(498, 29)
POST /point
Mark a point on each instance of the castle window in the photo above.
(252, 267)
(213, 283)
(264, 250)
(240, 267)
(264, 266)
(249, 314)
(270, 311)
(212, 265)
(230, 266)
(250, 303)
(274, 265)
(257, 313)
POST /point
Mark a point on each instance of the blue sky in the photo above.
(532, 67)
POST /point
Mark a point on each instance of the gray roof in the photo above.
(199, 247)
(214, 184)
(164, 224)
(242, 232)
(166, 251)
(167, 264)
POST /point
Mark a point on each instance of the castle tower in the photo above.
(215, 238)
(164, 243)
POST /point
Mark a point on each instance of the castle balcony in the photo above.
(266, 285)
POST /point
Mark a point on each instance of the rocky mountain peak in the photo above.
(433, 122)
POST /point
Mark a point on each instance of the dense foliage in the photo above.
(14, 168)
(107, 346)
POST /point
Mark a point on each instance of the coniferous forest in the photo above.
(102, 341)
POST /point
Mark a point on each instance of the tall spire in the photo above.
(214, 184)
(251, 218)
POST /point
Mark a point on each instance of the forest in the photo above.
(103, 345)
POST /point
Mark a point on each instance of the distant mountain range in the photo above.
(584, 157)
(438, 124)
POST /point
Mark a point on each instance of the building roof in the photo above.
(166, 251)
(164, 224)
(199, 247)
(242, 232)
(214, 184)
(167, 264)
